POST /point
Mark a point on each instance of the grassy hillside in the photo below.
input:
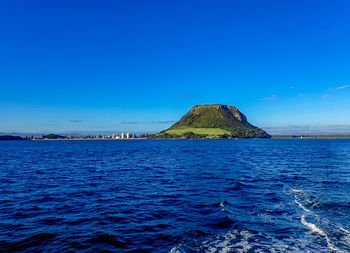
(213, 121)
(212, 116)
(206, 131)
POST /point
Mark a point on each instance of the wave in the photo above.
(241, 241)
(295, 190)
(107, 239)
(36, 240)
(313, 227)
(302, 206)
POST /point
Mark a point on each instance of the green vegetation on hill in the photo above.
(213, 121)
(207, 131)
(53, 136)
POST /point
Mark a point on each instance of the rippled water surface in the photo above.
(175, 196)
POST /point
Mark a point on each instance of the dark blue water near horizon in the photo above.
(273, 195)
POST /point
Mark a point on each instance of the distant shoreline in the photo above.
(273, 137)
(13, 138)
(310, 137)
(89, 139)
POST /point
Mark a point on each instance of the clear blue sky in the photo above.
(139, 65)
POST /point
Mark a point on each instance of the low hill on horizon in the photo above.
(53, 136)
(11, 138)
(213, 121)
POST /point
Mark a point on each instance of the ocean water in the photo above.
(175, 196)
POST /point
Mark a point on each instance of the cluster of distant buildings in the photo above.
(119, 136)
(89, 137)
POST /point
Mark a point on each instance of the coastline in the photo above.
(273, 137)
(301, 137)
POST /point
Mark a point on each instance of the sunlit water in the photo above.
(175, 196)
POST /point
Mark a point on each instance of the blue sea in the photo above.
(256, 195)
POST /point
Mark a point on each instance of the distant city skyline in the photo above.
(119, 66)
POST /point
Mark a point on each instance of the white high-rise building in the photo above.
(122, 135)
(128, 136)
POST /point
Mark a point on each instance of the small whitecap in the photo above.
(295, 190)
(302, 206)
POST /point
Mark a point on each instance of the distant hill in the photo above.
(11, 138)
(53, 137)
(213, 121)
